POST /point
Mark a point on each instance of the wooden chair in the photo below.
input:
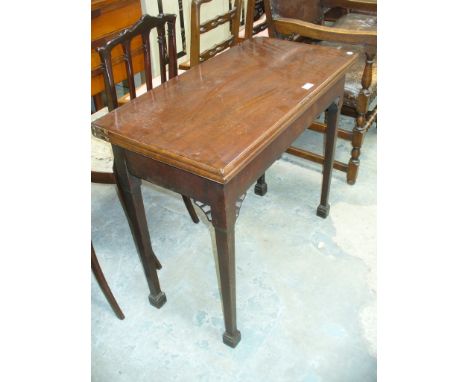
(167, 57)
(302, 20)
(198, 28)
(108, 18)
(101, 280)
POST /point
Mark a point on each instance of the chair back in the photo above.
(198, 28)
(306, 10)
(255, 11)
(140, 30)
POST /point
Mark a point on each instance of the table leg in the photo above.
(129, 188)
(330, 142)
(261, 187)
(224, 218)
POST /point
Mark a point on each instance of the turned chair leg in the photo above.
(101, 280)
(357, 139)
(360, 126)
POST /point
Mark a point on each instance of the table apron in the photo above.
(172, 178)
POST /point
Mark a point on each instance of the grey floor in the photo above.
(306, 287)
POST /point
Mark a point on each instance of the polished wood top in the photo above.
(215, 118)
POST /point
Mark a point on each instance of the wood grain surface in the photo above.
(213, 119)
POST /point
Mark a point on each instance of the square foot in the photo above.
(323, 211)
(261, 189)
(159, 300)
(232, 339)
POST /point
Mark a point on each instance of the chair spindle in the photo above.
(129, 68)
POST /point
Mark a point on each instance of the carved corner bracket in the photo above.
(207, 208)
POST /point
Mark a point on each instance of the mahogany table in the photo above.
(211, 132)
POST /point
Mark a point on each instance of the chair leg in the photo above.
(357, 139)
(130, 191)
(190, 209)
(101, 280)
(261, 187)
(360, 127)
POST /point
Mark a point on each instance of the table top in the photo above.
(215, 118)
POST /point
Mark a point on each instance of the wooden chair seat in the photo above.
(356, 21)
(102, 158)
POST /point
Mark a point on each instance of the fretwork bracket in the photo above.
(206, 208)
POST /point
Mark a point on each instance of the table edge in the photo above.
(222, 176)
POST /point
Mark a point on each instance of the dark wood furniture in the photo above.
(108, 19)
(167, 54)
(101, 280)
(211, 132)
(181, 21)
(303, 21)
(197, 28)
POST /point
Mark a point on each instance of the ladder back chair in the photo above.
(141, 29)
(197, 28)
(356, 31)
(167, 58)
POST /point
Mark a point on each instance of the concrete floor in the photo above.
(306, 287)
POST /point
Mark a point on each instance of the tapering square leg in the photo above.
(129, 188)
(224, 217)
(330, 143)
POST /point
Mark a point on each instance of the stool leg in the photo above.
(101, 280)
(130, 190)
